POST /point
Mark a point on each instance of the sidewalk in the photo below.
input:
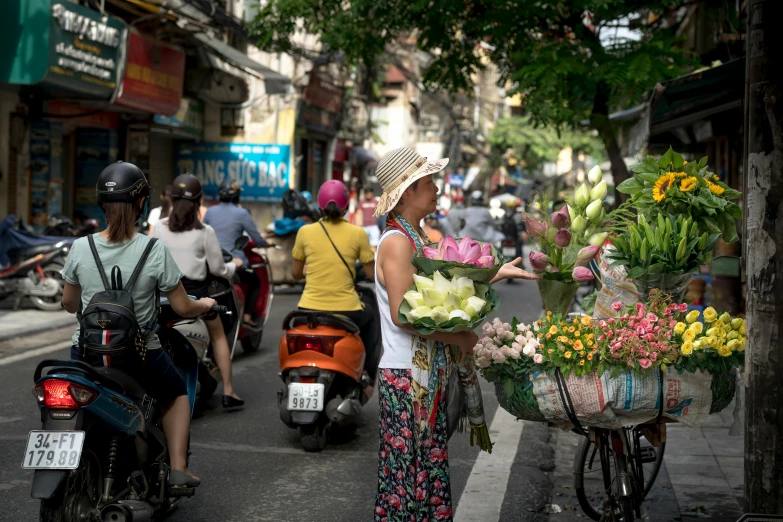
(20, 323)
(702, 477)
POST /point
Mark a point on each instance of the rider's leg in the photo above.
(222, 354)
(176, 427)
(370, 327)
(253, 288)
(166, 384)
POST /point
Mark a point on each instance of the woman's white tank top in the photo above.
(397, 343)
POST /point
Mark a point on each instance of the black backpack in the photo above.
(109, 328)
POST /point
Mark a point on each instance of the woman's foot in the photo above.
(232, 401)
(183, 479)
(248, 319)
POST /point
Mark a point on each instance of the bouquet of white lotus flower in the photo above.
(436, 303)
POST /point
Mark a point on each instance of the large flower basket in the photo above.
(625, 400)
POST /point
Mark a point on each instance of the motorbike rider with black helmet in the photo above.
(231, 222)
(123, 195)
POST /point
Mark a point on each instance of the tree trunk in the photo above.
(599, 119)
(764, 261)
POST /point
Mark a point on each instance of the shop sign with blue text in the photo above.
(261, 170)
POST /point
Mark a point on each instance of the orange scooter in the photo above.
(321, 365)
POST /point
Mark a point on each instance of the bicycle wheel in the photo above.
(591, 480)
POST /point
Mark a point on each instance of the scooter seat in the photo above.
(20, 254)
(120, 381)
(313, 319)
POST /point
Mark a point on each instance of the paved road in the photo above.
(253, 467)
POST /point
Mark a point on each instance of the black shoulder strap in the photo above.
(142, 259)
(338, 252)
(98, 262)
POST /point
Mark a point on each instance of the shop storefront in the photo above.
(317, 125)
(55, 50)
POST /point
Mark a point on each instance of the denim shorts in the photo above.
(159, 377)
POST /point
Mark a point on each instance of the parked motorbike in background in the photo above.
(61, 225)
(32, 266)
(321, 364)
(101, 453)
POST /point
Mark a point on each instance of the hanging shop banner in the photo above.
(86, 50)
(46, 170)
(262, 171)
(95, 150)
(154, 76)
(188, 121)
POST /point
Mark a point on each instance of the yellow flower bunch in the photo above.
(722, 334)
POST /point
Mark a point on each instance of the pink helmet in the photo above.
(333, 191)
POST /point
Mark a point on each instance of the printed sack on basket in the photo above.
(627, 399)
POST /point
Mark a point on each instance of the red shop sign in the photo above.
(154, 76)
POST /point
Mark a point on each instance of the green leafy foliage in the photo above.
(668, 246)
(567, 65)
(670, 186)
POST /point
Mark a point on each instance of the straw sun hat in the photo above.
(397, 171)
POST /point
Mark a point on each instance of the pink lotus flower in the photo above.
(470, 250)
(535, 229)
(562, 238)
(485, 261)
(539, 261)
(552, 269)
(431, 253)
(582, 274)
(586, 254)
(561, 218)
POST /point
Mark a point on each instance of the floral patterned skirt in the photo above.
(413, 480)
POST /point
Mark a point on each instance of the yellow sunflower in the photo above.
(680, 174)
(663, 184)
(715, 178)
(715, 189)
(688, 184)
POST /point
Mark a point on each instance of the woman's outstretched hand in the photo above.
(512, 271)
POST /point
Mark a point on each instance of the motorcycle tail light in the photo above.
(62, 395)
(315, 343)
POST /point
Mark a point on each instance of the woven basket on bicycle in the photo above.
(517, 397)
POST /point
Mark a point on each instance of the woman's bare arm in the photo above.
(187, 307)
(297, 269)
(72, 294)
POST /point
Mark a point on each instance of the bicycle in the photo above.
(624, 474)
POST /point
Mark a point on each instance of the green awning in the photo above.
(274, 82)
(690, 99)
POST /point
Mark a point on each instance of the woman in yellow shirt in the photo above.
(330, 249)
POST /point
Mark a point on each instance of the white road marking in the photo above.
(35, 353)
(482, 499)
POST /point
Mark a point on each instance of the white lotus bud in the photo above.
(582, 196)
(598, 192)
(595, 175)
(414, 299)
(419, 313)
(459, 314)
(440, 315)
(433, 298)
(474, 305)
(422, 282)
(463, 287)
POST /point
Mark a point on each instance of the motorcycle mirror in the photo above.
(241, 242)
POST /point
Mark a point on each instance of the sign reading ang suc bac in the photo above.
(262, 171)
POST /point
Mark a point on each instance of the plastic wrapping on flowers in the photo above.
(557, 295)
(675, 285)
(455, 269)
(429, 325)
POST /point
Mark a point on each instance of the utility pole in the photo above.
(763, 188)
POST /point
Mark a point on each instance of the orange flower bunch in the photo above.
(568, 344)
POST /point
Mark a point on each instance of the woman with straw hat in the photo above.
(413, 476)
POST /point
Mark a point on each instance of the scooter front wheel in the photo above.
(313, 436)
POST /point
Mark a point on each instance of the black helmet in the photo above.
(186, 186)
(121, 183)
(229, 190)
